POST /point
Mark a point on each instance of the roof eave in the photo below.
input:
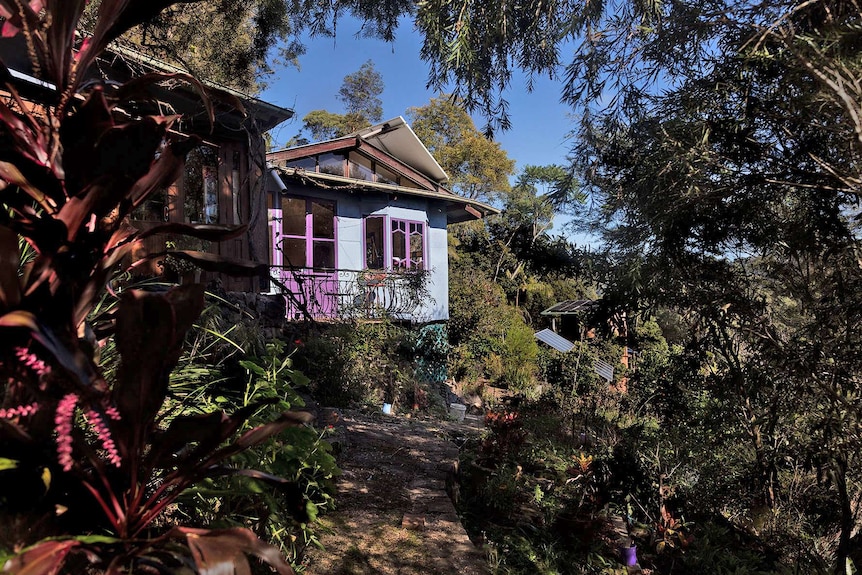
(458, 209)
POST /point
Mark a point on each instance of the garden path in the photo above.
(394, 515)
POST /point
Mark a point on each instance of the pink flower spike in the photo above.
(63, 424)
(20, 411)
(112, 413)
(98, 425)
(30, 360)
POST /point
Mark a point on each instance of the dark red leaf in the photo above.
(207, 232)
(41, 559)
(208, 431)
(184, 431)
(223, 551)
(80, 135)
(99, 276)
(60, 40)
(149, 337)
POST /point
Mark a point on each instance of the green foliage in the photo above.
(519, 353)
(477, 167)
(360, 93)
(726, 200)
(367, 363)
(284, 514)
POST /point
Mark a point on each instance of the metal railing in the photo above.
(351, 294)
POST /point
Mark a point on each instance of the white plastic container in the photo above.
(457, 411)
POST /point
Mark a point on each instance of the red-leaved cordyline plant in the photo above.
(90, 464)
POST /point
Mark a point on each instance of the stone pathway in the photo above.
(394, 514)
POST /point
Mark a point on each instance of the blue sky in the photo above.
(540, 122)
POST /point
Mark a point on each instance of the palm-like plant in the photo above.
(91, 463)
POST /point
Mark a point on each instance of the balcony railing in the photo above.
(351, 294)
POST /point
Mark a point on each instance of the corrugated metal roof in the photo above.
(554, 340)
(604, 369)
(570, 306)
(397, 138)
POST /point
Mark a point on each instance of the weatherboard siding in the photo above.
(352, 208)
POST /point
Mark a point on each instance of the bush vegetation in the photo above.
(120, 419)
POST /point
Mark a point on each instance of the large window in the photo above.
(398, 245)
(200, 184)
(375, 257)
(308, 233)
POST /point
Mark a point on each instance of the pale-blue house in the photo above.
(358, 226)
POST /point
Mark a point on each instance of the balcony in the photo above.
(339, 294)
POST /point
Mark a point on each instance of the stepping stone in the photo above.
(413, 522)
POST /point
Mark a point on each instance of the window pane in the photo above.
(417, 246)
(200, 185)
(360, 167)
(374, 243)
(399, 243)
(322, 216)
(331, 164)
(324, 255)
(294, 252)
(384, 176)
(293, 214)
(309, 164)
(210, 177)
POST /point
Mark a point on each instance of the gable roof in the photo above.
(397, 138)
(394, 146)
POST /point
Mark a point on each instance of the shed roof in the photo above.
(571, 307)
(397, 138)
(554, 340)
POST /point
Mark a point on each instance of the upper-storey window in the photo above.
(398, 245)
(309, 164)
(358, 166)
(361, 168)
(331, 164)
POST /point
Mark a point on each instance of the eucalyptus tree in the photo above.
(477, 166)
(360, 93)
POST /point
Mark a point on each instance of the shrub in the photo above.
(97, 455)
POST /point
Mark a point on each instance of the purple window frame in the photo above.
(309, 236)
(389, 239)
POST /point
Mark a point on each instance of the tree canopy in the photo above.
(478, 167)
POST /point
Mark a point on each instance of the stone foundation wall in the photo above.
(267, 310)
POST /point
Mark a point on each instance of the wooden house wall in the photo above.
(251, 246)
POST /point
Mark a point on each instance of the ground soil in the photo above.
(394, 514)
